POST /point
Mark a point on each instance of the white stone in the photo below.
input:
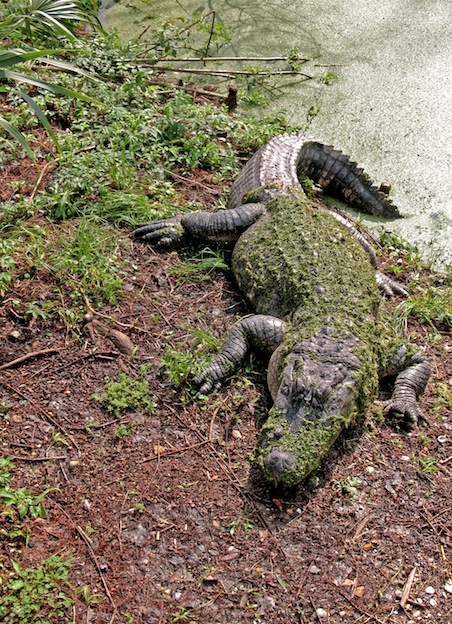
(429, 590)
(448, 586)
(321, 613)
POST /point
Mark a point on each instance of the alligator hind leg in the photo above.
(256, 332)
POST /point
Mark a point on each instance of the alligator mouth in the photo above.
(278, 462)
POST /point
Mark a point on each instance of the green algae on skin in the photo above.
(299, 263)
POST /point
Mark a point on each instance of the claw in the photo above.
(389, 286)
(163, 232)
(411, 413)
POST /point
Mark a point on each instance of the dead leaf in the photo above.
(230, 556)
(263, 534)
(120, 340)
(359, 592)
(159, 449)
(278, 504)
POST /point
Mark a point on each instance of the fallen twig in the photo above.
(36, 459)
(230, 73)
(220, 59)
(28, 356)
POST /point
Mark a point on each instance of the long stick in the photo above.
(232, 72)
(220, 59)
(23, 358)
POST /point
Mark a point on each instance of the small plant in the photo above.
(21, 498)
(443, 399)
(180, 365)
(7, 263)
(184, 614)
(200, 267)
(85, 595)
(123, 431)
(348, 486)
(127, 394)
(40, 594)
(432, 307)
(427, 465)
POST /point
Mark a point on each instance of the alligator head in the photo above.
(314, 399)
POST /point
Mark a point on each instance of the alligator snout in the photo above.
(279, 461)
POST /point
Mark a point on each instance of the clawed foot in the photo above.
(389, 286)
(410, 413)
(165, 232)
(206, 383)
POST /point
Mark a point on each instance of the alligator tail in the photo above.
(277, 167)
(337, 174)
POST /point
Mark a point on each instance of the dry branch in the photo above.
(28, 356)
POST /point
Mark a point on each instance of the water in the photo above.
(391, 105)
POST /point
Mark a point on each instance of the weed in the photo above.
(181, 365)
(443, 399)
(123, 431)
(127, 394)
(21, 498)
(33, 595)
(349, 485)
(7, 263)
(245, 523)
(432, 307)
(87, 262)
(183, 614)
(329, 77)
(200, 267)
(85, 595)
(427, 465)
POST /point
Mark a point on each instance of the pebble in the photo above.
(429, 590)
(448, 586)
(405, 458)
(433, 602)
(314, 569)
(321, 613)
(370, 469)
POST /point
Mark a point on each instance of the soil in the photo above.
(170, 521)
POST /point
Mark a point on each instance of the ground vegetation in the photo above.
(123, 496)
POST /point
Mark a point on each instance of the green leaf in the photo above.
(15, 133)
(42, 118)
(12, 75)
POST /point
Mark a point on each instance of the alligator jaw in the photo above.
(313, 403)
(278, 462)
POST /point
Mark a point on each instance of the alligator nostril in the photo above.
(279, 461)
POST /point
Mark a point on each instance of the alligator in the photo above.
(313, 281)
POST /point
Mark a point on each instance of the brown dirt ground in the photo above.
(185, 528)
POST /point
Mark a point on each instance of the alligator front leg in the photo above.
(260, 332)
(224, 225)
(413, 374)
